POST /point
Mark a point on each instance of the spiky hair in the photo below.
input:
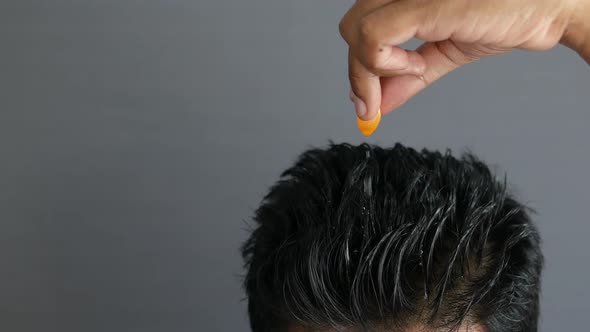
(361, 236)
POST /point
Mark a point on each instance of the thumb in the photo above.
(441, 58)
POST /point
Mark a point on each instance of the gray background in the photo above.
(137, 138)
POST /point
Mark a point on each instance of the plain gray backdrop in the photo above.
(137, 138)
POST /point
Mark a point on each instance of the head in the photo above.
(361, 238)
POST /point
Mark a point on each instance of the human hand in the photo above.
(383, 76)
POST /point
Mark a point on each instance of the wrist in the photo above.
(577, 33)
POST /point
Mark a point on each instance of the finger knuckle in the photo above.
(367, 29)
(454, 54)
(354, 75)
(550, 38)
(343, 28)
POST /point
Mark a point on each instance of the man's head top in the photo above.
(360, 238)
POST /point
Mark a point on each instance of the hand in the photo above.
(383, 76)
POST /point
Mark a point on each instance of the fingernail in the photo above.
(359, 105)
(369, 126)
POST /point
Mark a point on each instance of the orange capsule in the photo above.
(369, 126)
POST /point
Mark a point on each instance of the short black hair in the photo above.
(363, 236)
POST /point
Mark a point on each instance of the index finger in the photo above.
(366, 89)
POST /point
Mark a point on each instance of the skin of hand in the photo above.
(383, 76)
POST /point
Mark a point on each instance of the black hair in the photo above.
(366, 237)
